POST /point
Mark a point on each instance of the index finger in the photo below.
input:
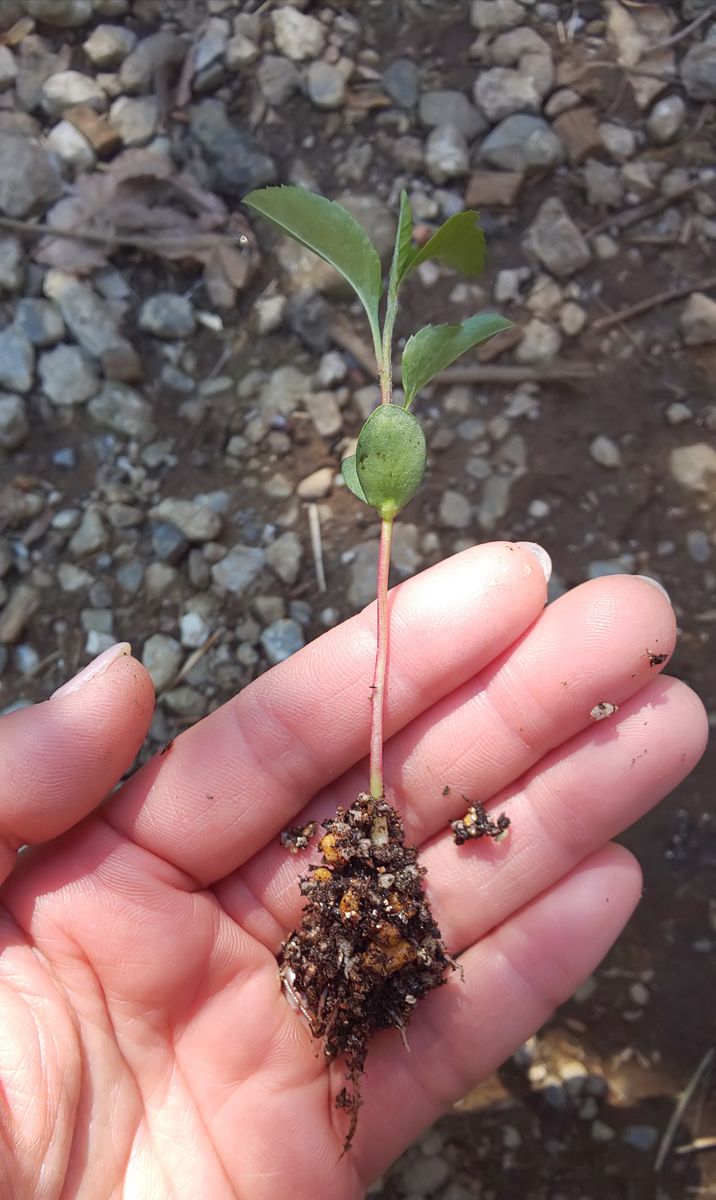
(233, 781)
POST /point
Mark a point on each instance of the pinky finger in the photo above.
(514, 979)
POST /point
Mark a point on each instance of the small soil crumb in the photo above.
(298, 837)
(605, 708)
(368, 947)
(656, 659)
(477, 824)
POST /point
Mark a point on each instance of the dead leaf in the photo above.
(140, 201)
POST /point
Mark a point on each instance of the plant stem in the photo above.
(381, 662)
(386, 367)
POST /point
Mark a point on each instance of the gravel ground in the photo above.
(177, 391)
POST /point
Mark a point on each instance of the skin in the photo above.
(146, 1049)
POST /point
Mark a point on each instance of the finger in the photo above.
(250, 767)
(591, 645)
(61, 757)
(514, 979)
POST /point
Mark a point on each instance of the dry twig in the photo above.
(684, 1100)
(314, 526)
(655, 301)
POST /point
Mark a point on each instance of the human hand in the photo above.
(146, 1048)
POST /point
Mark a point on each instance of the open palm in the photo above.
(146, 1049)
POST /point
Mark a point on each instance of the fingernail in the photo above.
(541, 555)
(655, 583)
(97, 667)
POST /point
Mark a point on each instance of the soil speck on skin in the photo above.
(368, 947)
(298, 837)
(604, 709)
(656, 658)
(477, 824)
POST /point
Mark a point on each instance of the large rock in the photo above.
(297, 35)
(502, 91)
(522, 143)
(30, 177)
(556, 241)
(236, 163)
(124, 411)
(698, 320)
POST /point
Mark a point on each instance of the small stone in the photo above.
(600, 1132)
(619, 142)
(677, 413)
(197, 522)
(489, 16)
(40, 321)
(604, 184)
(135, 119)
(95, 129)
(317, 485)
(540, 342)
(159, 52)
(69, 145)
(8, 68)
(495, 501)
(158, 578)
(426, 1173)
(325, 412)
(362, 575)
(572, 318)
(211, 44)
(17, 611)
(281, 639)
(121, 409)
(605, 247)
(285, 555)
(90, 537)
(66, 88)
(493, 189)
(579, 132)
(298, 36)
(698, 320)
(451, 108)
(66, 376)
(14, 426)
(12, 263)
(278, 79)
(455, 511)
(240, 52)
(130, 576)
(326, 85)
(605, 452)
(162, 656)
(698, 545)
(698, 70)
(561, 101)
(522, 142)
(167, 315)
(508, 284)
(235, 161)
(30, 177)
(502, 91)
(91, 321)
(17, 360)
(193, 630)
(545, 296)
(556, 241)
(693, 466)
(641, 1137)
(401, 80)
(65, 14)
(238, 570)
(446, 154)
(108, 45)
(508, 48)
(666, 119)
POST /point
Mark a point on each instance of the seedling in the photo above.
(368, 947)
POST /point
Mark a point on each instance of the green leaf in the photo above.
(404, 249)
(390, 458)
(332, 233)
(436, 346)
(459, 243)
(350, 478)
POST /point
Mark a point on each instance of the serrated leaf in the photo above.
(404, 249)
(327, 229)
(390, 458)
(436, 346)
(459, 243)
(350, 478)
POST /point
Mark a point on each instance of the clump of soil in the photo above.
(368, 947)
(477, 824)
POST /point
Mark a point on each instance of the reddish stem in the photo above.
(381, 662)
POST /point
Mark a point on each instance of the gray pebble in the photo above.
(17, 360)
(162, 656)
(281, 639)
(66, 376)
(167, 315)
